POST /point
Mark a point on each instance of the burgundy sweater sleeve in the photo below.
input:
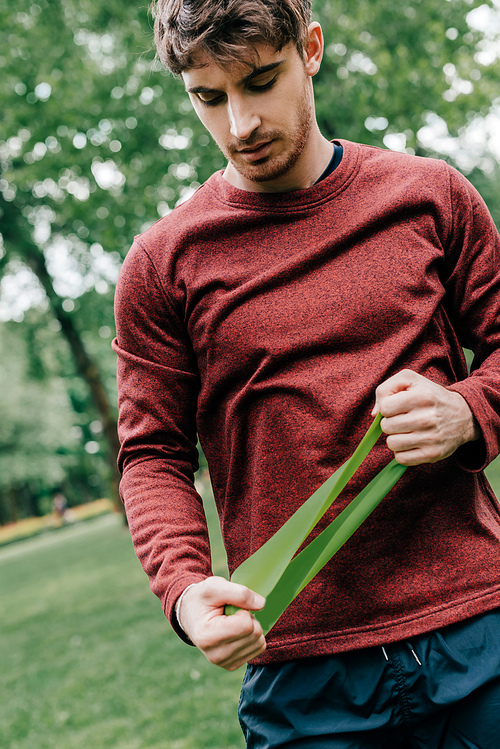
(158, 386)
(473, 288)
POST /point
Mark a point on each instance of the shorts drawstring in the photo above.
(410, 646)
(414, 654)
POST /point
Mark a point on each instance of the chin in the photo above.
(267, 171)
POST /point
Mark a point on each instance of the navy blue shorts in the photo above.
(439, 691)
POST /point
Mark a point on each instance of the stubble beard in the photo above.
(274, 168)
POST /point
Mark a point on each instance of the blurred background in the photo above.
(97, 143)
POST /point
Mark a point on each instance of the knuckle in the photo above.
(392, 442)
(410, 374)
(247, 625)
(426, 399)
(216, 660)
(258, 628)
(428, 420)
(207, 640)
(203, 642)
(206, 587)
(262, 645)
(211, 583)
(385, 425)
(211, 589)
(241, 591)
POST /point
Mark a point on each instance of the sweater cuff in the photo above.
(472, 456)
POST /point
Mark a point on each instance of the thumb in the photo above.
(219, 592)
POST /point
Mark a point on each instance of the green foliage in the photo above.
(87, 114)
(41, 443)
(420, 76)
(390, 66)
(96, 143)
(89, 660)
(488, 185)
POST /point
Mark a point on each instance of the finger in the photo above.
(417, 398)
(396, 404)
(222, 630)
(416, 457)
(408, 457)
(414, 449)
(226, 631)
(390, 396)
(239, 626)
(217, 592)
(224, 652)
(416, 421)
(241, 659)
(400, 443)
(231, 654)
(399, 383)
(396, 383)
(232, 658)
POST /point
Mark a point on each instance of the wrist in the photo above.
(475, 430)
(471, 432)
(178, 605)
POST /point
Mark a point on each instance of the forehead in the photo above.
(212, 74)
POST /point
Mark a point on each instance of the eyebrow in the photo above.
(254, 73)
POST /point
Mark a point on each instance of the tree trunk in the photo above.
(15, 234)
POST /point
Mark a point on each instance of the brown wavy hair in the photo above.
(226, 30)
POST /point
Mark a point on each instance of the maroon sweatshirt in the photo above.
(263, 323)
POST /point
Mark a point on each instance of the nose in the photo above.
(243, 120)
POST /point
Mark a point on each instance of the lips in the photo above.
(257, 152)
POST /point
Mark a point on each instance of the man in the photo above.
(304, 289)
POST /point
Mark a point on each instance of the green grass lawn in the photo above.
(88, 661)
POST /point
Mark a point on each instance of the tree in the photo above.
(419, 76)
(97, 142)
(392, 68)
(87, 160)
(41, 445)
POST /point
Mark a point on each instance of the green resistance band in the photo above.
(276, 571)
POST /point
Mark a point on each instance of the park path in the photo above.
(51, 538)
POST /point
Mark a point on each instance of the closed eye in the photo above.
(212, 101)
(254, 82)
(214, 98)
(263, 86)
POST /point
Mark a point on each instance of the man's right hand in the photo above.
(226, 641)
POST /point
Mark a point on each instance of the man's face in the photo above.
(260, 114)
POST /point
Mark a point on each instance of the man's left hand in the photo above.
(424, 422)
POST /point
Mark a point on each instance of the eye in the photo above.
(211, 100)
(257, 86)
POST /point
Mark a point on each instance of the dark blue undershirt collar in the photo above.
(334, 161)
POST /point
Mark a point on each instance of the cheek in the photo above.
(214, 122)
(287, 105)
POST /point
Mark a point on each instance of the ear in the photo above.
(313, 49)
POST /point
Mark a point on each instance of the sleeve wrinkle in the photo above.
(159, 283)
(147, 314)
(135, 359)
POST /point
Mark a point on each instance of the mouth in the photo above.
(257, 152)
